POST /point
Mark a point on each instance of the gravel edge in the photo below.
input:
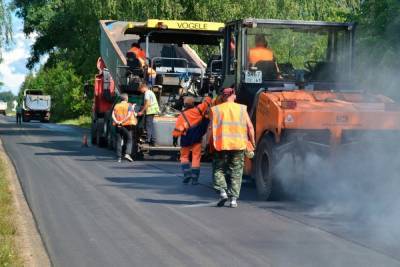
(29, 243)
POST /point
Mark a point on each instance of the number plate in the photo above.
(253, 76)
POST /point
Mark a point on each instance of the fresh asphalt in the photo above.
(93, 211)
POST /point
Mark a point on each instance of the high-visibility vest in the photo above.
(229, 126)
(121, 111)
(153, 109)
(138, 52)
(260, 54)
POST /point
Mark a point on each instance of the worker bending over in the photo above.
(231, 129)
(125, 120)
(191, 126)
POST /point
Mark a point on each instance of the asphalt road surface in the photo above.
(93, 211)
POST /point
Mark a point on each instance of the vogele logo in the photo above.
(192, 25)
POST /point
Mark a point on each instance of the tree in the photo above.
(5, 25)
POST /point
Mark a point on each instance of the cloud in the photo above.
(12, 68)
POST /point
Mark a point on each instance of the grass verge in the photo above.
(82, 121)
(8, 231)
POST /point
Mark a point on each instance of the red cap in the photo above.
(227, 92)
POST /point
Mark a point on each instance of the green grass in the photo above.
(82, 121)
(8, 252)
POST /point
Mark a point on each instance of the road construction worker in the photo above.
(19, 114)
(231, 129)
(262, 52)
(141, 56)
(125, 120)
(191, 125)
(149, 110)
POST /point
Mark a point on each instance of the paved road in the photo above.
(92, 211)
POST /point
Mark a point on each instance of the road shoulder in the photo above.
(28, 241)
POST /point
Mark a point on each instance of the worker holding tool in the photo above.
(125, 120)
(191, 125)
(231, 129)
(149, 110)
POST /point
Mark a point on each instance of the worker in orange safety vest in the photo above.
(231, 129)
(141, 56)
(262, 52)
(191, 125)
(125, 120)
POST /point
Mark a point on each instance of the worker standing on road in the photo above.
(231, 130)
(191, 125)
(149, 110)
(125, 120)
(19, 114)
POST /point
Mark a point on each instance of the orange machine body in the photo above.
(323, 120)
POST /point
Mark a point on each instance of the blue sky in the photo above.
(12, 68)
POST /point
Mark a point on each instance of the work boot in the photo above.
(186, 173)
(128, 157)
(233, 203)
(195, 176)
(186, 180)
(223, 197)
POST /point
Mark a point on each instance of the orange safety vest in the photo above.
(121, 111)
(229, 126)
(260, 54)
(138, 52)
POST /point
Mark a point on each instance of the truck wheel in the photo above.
(264, 164)
(93, 134)
(101, 140)
(110, 139)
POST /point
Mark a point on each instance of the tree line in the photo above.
(68, 32)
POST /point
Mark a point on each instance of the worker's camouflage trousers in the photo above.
(228, 169)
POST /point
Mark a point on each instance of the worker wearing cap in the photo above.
(149, 110)
(191, 125)
(124, 119)
(231, 129)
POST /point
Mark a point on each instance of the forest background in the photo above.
(68, 34)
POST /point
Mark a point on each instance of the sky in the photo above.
(12, 68)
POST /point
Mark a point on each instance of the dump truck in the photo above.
(170, 48)
(36, 106)
(305, 99)
(3, 107)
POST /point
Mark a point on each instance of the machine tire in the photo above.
(264, 164)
